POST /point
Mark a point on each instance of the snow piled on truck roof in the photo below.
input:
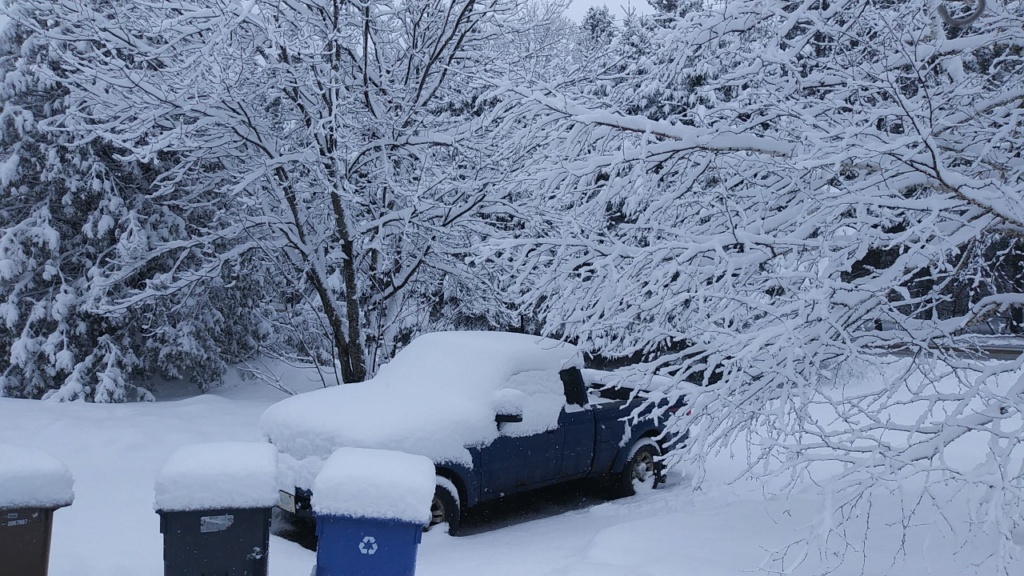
(435, 398)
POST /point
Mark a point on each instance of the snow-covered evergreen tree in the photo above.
(598, 26)
(73, 208)
(59, 209)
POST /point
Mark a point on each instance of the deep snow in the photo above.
(115, 452)
(364, 483)
(30, 477)
(218, 475)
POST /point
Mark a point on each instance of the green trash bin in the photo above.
(32, 485)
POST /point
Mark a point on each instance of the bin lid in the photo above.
(32, 478)
(378, 484)
(218, 475)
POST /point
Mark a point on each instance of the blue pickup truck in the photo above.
(498, 413)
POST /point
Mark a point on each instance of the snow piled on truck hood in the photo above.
(435, 398)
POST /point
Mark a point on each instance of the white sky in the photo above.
(578, 8)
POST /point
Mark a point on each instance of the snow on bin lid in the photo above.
(379, 484)
(31, 478)
(434, 398)
(218, 475)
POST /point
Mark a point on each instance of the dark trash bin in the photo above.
(371, 507)
(215, 502)
(32, 485)
(222, 542)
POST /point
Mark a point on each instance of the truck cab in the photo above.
(592, 439)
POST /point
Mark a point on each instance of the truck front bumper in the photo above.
(298, 504)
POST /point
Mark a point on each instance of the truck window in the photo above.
(575, 389)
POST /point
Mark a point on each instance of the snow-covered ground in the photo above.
(116, 451)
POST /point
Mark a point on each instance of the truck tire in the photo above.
(643, 470)
(445, 506)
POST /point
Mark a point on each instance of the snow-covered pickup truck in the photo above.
(497, 413)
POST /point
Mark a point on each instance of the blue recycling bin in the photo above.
(351, 546)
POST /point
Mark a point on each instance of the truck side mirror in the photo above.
(507, 418)
(508, 406)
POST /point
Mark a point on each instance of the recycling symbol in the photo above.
(368, 546)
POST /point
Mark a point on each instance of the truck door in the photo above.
(512, 463)
(543, 457)
(577, 424)
(527, 452)
(501, 464)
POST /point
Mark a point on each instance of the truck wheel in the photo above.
(643, 470)
(445, 506)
